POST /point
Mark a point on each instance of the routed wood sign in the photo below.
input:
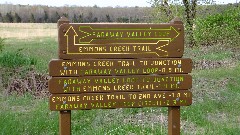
(119, 100)
(119, 66)
(109, 65)
(120, 40)
(119, 83)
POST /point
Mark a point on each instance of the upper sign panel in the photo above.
(120, 40)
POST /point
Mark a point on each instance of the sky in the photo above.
(101, 3)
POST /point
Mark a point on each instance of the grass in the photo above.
(211, 113)
(24, 115)
(27, 115)
(215, 109)
(27, 30)
(41, 50)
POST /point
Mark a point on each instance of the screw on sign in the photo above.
(144, 66)
(98, 84)
(120, 100)
(109, 65)
(120, 40)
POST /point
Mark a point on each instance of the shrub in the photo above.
(219, 28)
(1, 44)
(16, 59)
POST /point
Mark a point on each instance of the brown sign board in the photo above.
(96, 67)
(120, 100)
(95, 84)
(109, 40)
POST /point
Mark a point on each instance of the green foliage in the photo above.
(1, 44)
(1, 18)
(32, 18)
(65, 14)
(17, 18)
(221, 28)
(43, 49)
(26, 115)
(80, 18)
(57, 16)
(8, 18)
(190, 13)
(123, 20)
(95, 19)
(108, 18)
(134, 20)
(45, 18)
(16, 59)
(89, 17)
(164, 12)
(74, 20)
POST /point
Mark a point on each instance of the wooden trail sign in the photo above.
(109, 40)
(83, 67)
(119, 83)
(109, 65)
(119, 100)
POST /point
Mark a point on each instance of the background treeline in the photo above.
(205, 24)
(44, 14)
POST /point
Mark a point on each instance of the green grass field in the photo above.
(215, 109)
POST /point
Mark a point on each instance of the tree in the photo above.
(40, 20)
(167, 13)
(65, 14)
(108, 18)
(8, 18)
(57, 16)
(162, 11)
(80, 18)
(45, 18)
(1, 18)
(190, 12)
(134, 20)
(95, 6)
(95, 19)
(46, 14)
(32, 19)
(123, 20)
(17, 18)
(89, 18)
(74, 20)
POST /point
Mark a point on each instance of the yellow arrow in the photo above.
(88, 34)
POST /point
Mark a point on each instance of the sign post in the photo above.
(174, 120)
(174, 111)
(65, 122)
(109, 65)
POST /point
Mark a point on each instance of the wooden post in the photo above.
(65, 123)
(62, 20)
(174, 112)
(64, 116)
(174, 120)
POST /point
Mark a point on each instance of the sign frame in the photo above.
(167, 42)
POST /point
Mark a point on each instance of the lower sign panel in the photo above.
(120, 100)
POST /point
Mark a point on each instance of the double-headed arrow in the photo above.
(156, 48)
(87, 34)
